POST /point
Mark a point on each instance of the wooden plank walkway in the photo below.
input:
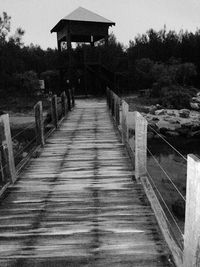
(78, 204)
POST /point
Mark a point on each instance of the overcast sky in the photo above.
(37, 17)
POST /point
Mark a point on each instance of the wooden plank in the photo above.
(77, 204)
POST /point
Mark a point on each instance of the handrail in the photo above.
(8, 171)
(135, 139)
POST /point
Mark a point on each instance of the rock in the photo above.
(195, 127)
(194, 106)
(24, 154)
(196, 133)
(178, 208)
(152, 110)
(184, 113)
(196, 99)
(158, 106)
(163, 130)
(166, 118)
(183, 131)
(160, 112)
(150, 135)
(152, 127)
(155, 119)
(172, 133)
(198, 94)
(168, 126)
(187, 125)
(171, 113)
(159, 136)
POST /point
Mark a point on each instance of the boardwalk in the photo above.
(78, 204)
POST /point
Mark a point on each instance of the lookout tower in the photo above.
(81, 26)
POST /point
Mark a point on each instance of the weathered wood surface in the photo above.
(78, 204)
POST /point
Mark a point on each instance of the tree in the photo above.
(4, 27)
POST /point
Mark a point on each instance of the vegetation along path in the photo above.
(78, 203)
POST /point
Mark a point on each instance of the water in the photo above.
(169, 172)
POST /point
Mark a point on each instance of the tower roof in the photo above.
(82, 14)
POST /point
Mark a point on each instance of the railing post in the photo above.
(112, 103)
(107, 96)
(140, 145)
(125, 129)
(63, 103)
(54, 110)
(118, 110)
(110, 99)
(69, 100)
(6, 142)
(39, 125)
(72, 96)
(191, 255)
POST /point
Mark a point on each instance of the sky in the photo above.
(132, 17)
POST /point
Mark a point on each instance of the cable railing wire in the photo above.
(167, 142)
(26, 128)
(167, 175)
(23, 148)
(166, 206)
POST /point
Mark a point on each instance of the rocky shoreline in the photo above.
(172, 122)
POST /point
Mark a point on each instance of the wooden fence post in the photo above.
(63, 103)
(118, 110)
(6, 141)
(107, 96)
(112, 103)
(39, 124)
(125, 129)
(140, 145)
(54, 110)
(191, 255)
(69, 100)
(72, 96)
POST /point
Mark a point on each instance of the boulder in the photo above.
(152, 110)
(163, 130)
(158, 106)
(184, 113)
(160, 112)
(183, 131)
(196, 99)
(24, 154)
(196, 133)
(150, 135)
(155, 119)
(186, 125)
(152, 127)
(172, 133)
(194, 106)
(170, 113)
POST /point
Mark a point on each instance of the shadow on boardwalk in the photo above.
(78, 204)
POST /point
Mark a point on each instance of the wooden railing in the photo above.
(133, 129)
(9, 169)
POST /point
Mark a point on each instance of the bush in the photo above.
(28, 82)
(176, 96)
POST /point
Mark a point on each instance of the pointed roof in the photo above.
(82, 14)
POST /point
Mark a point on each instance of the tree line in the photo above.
(161, 60)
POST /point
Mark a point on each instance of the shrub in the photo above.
(176, 96)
